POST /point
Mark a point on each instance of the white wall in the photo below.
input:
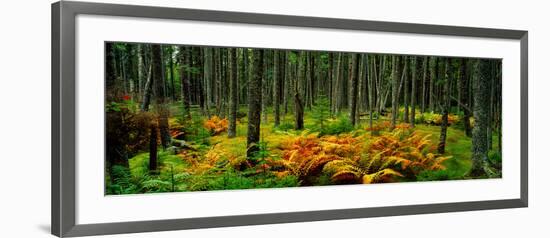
(25, 117)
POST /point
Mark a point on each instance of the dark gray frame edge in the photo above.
(63, 118)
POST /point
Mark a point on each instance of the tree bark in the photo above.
(446, 107)
(424, 78)
(276, 88)
(254, 104)
(406, 90)
(371, 92)
(162, 110)
(433, 78)
(233, 93)
(185, 84)
(298, 100)
(482, 91)
(395, 86)
(464, 89)
(353, 87)
(413, 90)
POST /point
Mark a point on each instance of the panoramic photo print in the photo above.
(182, 118)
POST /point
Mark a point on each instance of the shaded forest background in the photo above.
(189, 118)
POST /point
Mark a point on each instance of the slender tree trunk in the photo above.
(141, 69)
(482, 91)
(395, 86)
(406, 89)
(208, 80)
(424, 78)
(276, 87)
(371, 93)
(465, 91)
(233, 93)
(446, 107)
(413, 90)
(298, 100)
(162, 110)
(287, 84)
(336, 87)
(172, 88)
(433, 78)
(254, 105)
(311, 71)
(354, 87)
(185, 84)
(148, 91)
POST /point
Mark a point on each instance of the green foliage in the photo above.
(341, 125)
(122, 182)
(234, 180)
(438, 175)
(285, 126)
(194, 130)
(321, 113)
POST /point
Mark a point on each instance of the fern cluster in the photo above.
(400, 154)
(432, 118)
(216, 125)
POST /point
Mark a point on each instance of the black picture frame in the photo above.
(64, 107)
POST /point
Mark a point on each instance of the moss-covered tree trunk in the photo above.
(482, 92)
(254, 104)
(233, 93)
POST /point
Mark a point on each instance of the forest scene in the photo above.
(193, 118)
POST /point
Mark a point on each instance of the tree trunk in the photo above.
(233, 93)
(424, 78)
(465, 94)
(353, 87)
(482, 91)
(298, 101)
(446, 107)
(336, 87)
(395, 86)
(171, 62)
(371, 93)
(491, 107)
(254, 104)
(413, 90)
(162, 110)
(406, 90)
(433, 78)
(276, 87)
(148, 89)
(185, 84)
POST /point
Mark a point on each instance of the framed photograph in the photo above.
(168, 118)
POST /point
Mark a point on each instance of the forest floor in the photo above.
(289, 158)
